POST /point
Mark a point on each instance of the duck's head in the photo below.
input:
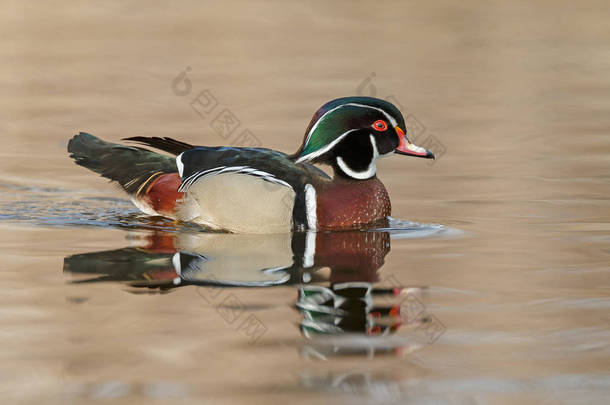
(351, 133)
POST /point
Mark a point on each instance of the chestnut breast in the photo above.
(351, 204)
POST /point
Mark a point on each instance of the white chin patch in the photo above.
(365, 174)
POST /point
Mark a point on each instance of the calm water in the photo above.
(505, 300)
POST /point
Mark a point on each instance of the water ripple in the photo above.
(57, 207)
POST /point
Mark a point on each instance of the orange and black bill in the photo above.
(405, 147)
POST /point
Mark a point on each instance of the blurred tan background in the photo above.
(515, 88)
(515, 93)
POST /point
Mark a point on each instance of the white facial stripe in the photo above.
(366, 174)
(313, 128)
(311, 206)
(315, 125)
(388, 116)
(325, 149)
(374, 145)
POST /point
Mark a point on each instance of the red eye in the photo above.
(380, 125)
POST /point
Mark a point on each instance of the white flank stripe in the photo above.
(310, 249)
(248, 171)
(142, 206)
(176, 263)
(311, 205)
(232, 169)
(180, 164)
(193, 177)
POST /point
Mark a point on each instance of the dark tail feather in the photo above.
(131, 167)
(165, 144)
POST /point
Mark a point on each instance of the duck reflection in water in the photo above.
(166, 260)
(334, 273)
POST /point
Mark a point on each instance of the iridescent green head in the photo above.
(351, 133)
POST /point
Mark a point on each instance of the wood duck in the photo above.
(258, 190)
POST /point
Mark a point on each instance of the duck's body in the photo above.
(257, 190)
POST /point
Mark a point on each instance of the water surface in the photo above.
(504, 301)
